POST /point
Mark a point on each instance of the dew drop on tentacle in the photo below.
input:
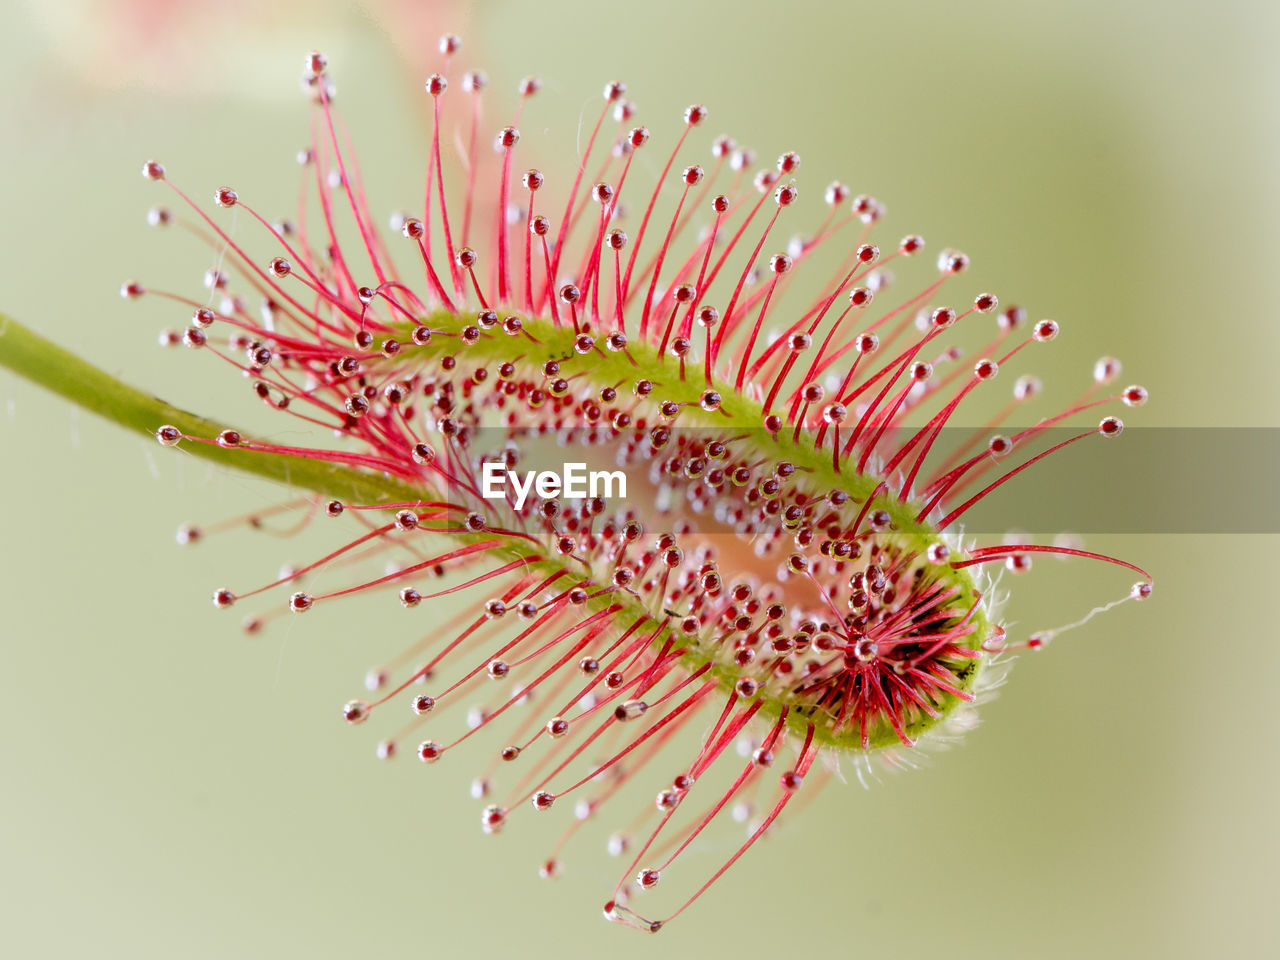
(1106, 370)
(942, 318)
(1045, 331)
(429, 751)
(557, 727)
(1018, 563)
(911, 244)
(315, 63)
(1134, 396)
(355, 711)
(986, 369)
(861, 296)
(630, 710)
(1026, 387)
(498, 669)
(952, 262)
(493, 818)
(1111, 427)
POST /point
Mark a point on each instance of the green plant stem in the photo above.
(30, 355)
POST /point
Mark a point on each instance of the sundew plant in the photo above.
(786, 591)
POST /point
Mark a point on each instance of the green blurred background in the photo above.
(174, 788)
